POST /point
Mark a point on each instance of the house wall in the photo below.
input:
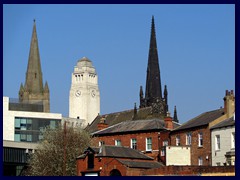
(218, 156)
(196, 151)
(157, 141)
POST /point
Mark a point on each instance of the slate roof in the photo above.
(202, 119)
(225, 123)
(140, 164)
(132, 126)
(121, 152)
(117, 117)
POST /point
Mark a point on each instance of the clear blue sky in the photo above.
(196, 48)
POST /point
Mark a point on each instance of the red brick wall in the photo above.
(157, 141)
(105, 165)
(189, 170)
(196, 151)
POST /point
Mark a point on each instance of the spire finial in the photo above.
(175, 118)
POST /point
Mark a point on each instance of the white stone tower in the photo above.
(84, 97)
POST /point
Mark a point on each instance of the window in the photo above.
(162, 152)
(233, 140)
(200, 161)
(101, 143)
(165, 143)
(149, 144)
(134, 143)
(118, 142)
(90, 160)
(178, 141)
(188, 139)
(200, 139)
(217, 142)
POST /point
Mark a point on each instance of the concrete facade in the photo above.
(9, 118)
(227, 144)
(84, 96)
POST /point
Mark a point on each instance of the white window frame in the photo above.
(147, 143)
(189, 139)
(200, 161)
(200, 139)
(177, 140)
(131, 143)
(233, 140)
(165, 143)
(100, 143)
(118, 142)
(217, 142)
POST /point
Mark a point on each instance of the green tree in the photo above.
(56, 153)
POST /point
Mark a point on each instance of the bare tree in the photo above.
(56, 153)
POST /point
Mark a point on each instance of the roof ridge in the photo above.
(196, 118)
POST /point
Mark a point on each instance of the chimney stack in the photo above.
(229, 103)
(102, 123)
(168, 121)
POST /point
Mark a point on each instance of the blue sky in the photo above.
(196, 48)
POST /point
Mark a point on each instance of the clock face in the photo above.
(93, 93)
(77, 93)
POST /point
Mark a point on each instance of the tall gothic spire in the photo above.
(33, 90)
(153, 81)
(33, 83)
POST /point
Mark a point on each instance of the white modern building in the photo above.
(25, 125)
(223, 142)
(84, 96)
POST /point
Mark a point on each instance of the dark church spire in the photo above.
(175, 118)
(153, 92)
(153, 81)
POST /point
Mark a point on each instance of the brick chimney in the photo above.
(168, 121)
(229, 103)
(102, 123)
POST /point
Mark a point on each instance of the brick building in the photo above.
(114, 161)
(196, 132)
(148, 136)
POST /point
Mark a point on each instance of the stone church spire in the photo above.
(34, 82)
(153, 81)
(153, 92)
(33, 90)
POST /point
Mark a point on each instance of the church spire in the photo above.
(175, 118)
(33, 83)
(153, 81)
(33, 90)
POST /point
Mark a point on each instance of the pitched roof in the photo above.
(140, 164)
(225, 123)
(117, 117)
(133, 126)
(121, 152)
(202, 119)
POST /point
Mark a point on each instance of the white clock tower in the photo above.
(84, 96)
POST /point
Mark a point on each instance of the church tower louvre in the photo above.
(33, 92)
(153, 91)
